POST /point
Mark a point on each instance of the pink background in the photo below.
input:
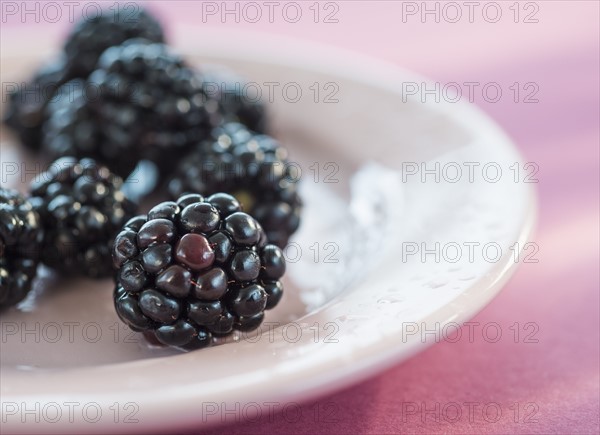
(554, 382)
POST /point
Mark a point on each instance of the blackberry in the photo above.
(237, 98)
(147, 105)
(26, 111)
(72, 129)
(20, 238)
(252, 167)
(91, 37)
(150, 99)
(195, 268)
(82, 207)
(26, 108)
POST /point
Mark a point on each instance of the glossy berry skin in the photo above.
(195, 268)
(20, 239)
(82, 207)
(252, 167)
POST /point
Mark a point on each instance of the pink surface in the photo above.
(550, 385)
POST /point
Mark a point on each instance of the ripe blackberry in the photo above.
(20, 239)
(195, 268)
(72, 129)
(91, 37)
(82, 207)
(147, 105)
(25, 111)
(238, 99)
(254, 168)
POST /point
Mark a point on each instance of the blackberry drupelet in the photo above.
(82, 208)
(26, 108)
(237, 98)
(254, 168)
(91, 37)
(195, 268)
(20, 239)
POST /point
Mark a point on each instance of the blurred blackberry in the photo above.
(20, 239)
(149, 105)
(253, 168)
(82, 207)
(238, 100)
(91, 37)
(72, 129)
(25, 111)
(195, 268)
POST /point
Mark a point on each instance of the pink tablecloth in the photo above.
(542, 376)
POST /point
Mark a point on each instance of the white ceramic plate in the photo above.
(358, 308)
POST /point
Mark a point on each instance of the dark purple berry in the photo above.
(203, 339)
(248, 301)
(156, 258)
(136, 223)
(204, 312)
(129, 311)
(132, 276)
(194, 268)
(20, 238)
(194, 251)
(139, 102)
(211, 285)
(226, 204)
(273, 263)
(243, 228)
(190, 198)
(47, 111)
(274, 293)
(245, 266)
(125, 247)
(246, 324)
(159, 307)
(180, 333)
(254, 168)
(223, 325)
(166, 210)
(221, 244)
(175, 280)
(83, 208)
(156, 231)
(200, 217)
